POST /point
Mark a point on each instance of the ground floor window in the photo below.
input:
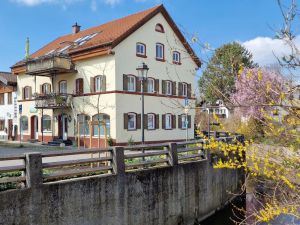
(131, 121)
(83, 121)
(46, 121)
(24, 123)
(104, 122)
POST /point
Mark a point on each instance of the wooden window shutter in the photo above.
(125, 121)
(103, 83)
(163, 121)
(180, 91)
(41, 89)
(49, 87)
(138, 121)
(190, 121)
(179, 121)
(23, 93)
(92, 84)
(173, 88)
(137, 84)
(145, 121)
(81, 86)
(173, 122)
(30, 92)
(163, 87)
(125, 82)
(189, 91)
(156, 86)
(145, 85)
(156, 121)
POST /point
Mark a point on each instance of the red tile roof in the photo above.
(110, 35)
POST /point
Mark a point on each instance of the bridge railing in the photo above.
(39, 168)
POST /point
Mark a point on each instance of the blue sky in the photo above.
(215, 22)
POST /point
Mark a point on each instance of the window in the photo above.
(184, 89)
(160, 55)
(24, 123)
(27, 93)
(98, 83)
(131, 121)
(131, 83)
(159, 28)
(150, 85)
(63, 87)
(176, 57)
(2, 99)
(104, 121)
(9, 98)
(46, 88)
(141, 50)
(184, 122)
(168, 87)
(151, 121)
(2, 125)
(83, 121)
(79, 86)
(168, 121)
(46, 123)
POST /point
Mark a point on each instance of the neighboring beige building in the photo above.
(93, 72)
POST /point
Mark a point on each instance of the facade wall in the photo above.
(127, 62)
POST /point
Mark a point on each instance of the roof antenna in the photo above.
(27, 48)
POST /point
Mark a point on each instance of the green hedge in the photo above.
(7, 186)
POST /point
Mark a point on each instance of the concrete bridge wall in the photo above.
(162, 196)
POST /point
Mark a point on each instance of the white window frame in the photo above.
(46, 88)
(98, 83)
(133, 127)
(150, 85)
(159, 51)
(184, 89)
(169, 88)
(140, 49)
(150, 121)
(168, 121)
(184, 124)
(176, 57)
(63, 88)
(131, 83)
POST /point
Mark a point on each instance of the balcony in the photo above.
(53, 101)
(50, 65)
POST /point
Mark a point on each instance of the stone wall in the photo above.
(162, 196)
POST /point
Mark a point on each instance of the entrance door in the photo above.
(10, 129)
(34, 128)
(63, 127)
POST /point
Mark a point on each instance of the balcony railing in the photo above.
(49, 65)
(52, 101)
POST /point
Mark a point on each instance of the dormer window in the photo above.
(159, 28)
(141, 50)
(176, 57)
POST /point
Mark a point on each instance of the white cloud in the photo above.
(112, 2)
(39, 2)
(265, 49)
(94, 5)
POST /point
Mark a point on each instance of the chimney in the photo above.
(75, 28)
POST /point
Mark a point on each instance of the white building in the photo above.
(8, 106)
(91, 74)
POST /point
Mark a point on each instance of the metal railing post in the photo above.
(173, 156)
(34, 169)
(118, 161)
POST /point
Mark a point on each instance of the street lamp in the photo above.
(142, 71)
